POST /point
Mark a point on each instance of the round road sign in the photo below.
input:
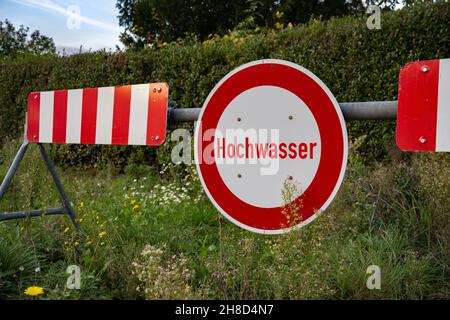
(271, 146)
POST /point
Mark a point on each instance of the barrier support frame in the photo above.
(371, 110)
(66, 207)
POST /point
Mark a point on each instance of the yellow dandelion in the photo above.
(76, 244)
(34, 291)
(136, 207)
(102, 234)
(66, 229)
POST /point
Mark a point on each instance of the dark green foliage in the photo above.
(15, 42)
(356, 63)
(148, 21)
(151, 21)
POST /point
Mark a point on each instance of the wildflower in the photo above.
(34, 291)
(21, 268)
(102, 234)
(81, 205)
(136, 207)
(38, 269)
(66, 229)
(76, 244)
(279, 25)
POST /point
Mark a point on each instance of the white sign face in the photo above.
(271, 146)
(255, 109)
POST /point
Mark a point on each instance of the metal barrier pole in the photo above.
(13, 168)
(33, 213)
(372, 110)
(59, 186)
(65, 209)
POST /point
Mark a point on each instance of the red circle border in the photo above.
(331, 134)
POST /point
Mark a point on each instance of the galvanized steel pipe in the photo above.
(371, 110)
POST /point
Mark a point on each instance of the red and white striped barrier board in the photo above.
(121, 115)
(423, 117)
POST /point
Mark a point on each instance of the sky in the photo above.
(71, 23)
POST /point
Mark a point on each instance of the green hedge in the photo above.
(356, 63)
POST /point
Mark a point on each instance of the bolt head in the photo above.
(159, 89)
(422, 140)
(425, 69)
(157, 138)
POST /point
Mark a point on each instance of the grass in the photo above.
(154, 236)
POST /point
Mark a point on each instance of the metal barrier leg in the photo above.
(65, 209)
(12, 170)
(59, 186)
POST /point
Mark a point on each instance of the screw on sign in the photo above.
(267, 129)
(423, 117)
